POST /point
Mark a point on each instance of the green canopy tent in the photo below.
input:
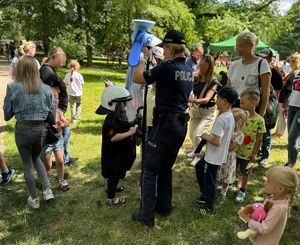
(228, 46)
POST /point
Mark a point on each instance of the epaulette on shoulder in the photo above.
(167, 61)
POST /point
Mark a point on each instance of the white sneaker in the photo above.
(264, 162)
(190, 154)
(47, 194)
(240, 197)
(195, 160)
(34, 203)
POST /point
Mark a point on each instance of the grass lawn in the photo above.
(80, 216)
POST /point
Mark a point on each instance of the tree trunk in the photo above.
(89, 49)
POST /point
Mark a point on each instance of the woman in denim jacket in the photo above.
(31, 102)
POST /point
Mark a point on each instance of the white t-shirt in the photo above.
(76, 84)
(295, 95)
(245, 76)
(223, 127)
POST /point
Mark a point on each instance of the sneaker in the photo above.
(240, 197)
(6, 178)
(47, 194)
(202, 209)
(34, 203)
(190, 154)
(195, 160)
(137, 217)
(64, 185)
(264, 162)
(201, 200)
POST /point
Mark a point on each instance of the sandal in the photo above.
(115, 201)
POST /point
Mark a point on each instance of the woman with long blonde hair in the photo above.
(31, 103)
(26, 49)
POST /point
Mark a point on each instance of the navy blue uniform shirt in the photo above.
(174, 83)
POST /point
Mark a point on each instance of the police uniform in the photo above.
(174, 83)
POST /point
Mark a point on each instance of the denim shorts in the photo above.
(58, 146)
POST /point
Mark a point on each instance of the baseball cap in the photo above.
(229, 93)
(173, 36)
(265, 53)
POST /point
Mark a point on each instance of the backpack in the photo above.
(271, 108)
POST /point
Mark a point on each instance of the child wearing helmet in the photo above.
(118, 144)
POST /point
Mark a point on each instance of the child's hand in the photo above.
(203, 136)
(132, 131)
(59, 124)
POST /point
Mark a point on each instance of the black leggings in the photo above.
(112, 184)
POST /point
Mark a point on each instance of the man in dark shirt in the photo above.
(193, 60)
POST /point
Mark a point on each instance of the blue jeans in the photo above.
(294, 132)
(266, 144)
(66, 135)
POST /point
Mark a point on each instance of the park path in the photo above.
(4, 80)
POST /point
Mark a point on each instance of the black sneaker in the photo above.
(6, 178)
(72, 160)
(137, 217)
(164, 214)
(201, 200)
(202, 209)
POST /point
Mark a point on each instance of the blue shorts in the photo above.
(58, 146)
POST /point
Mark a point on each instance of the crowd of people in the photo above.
(227, 118)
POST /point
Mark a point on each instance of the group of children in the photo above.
(240, 130)
(241, 133)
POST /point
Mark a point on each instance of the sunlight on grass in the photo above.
(80, 216)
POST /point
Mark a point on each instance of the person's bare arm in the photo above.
(138, 76)
(212, 139)
(265, 92)
(206, 99)
(257, 145)
(121, 136)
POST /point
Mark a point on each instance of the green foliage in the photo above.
(72, 41)
(289, 40)
(169, 15)
(106, 26)
(9, 24)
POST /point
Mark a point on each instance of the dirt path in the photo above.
(4, 80)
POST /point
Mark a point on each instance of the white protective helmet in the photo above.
(110, 96)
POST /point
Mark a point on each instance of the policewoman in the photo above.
(174, 83)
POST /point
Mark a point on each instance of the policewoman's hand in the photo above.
(147, 53)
